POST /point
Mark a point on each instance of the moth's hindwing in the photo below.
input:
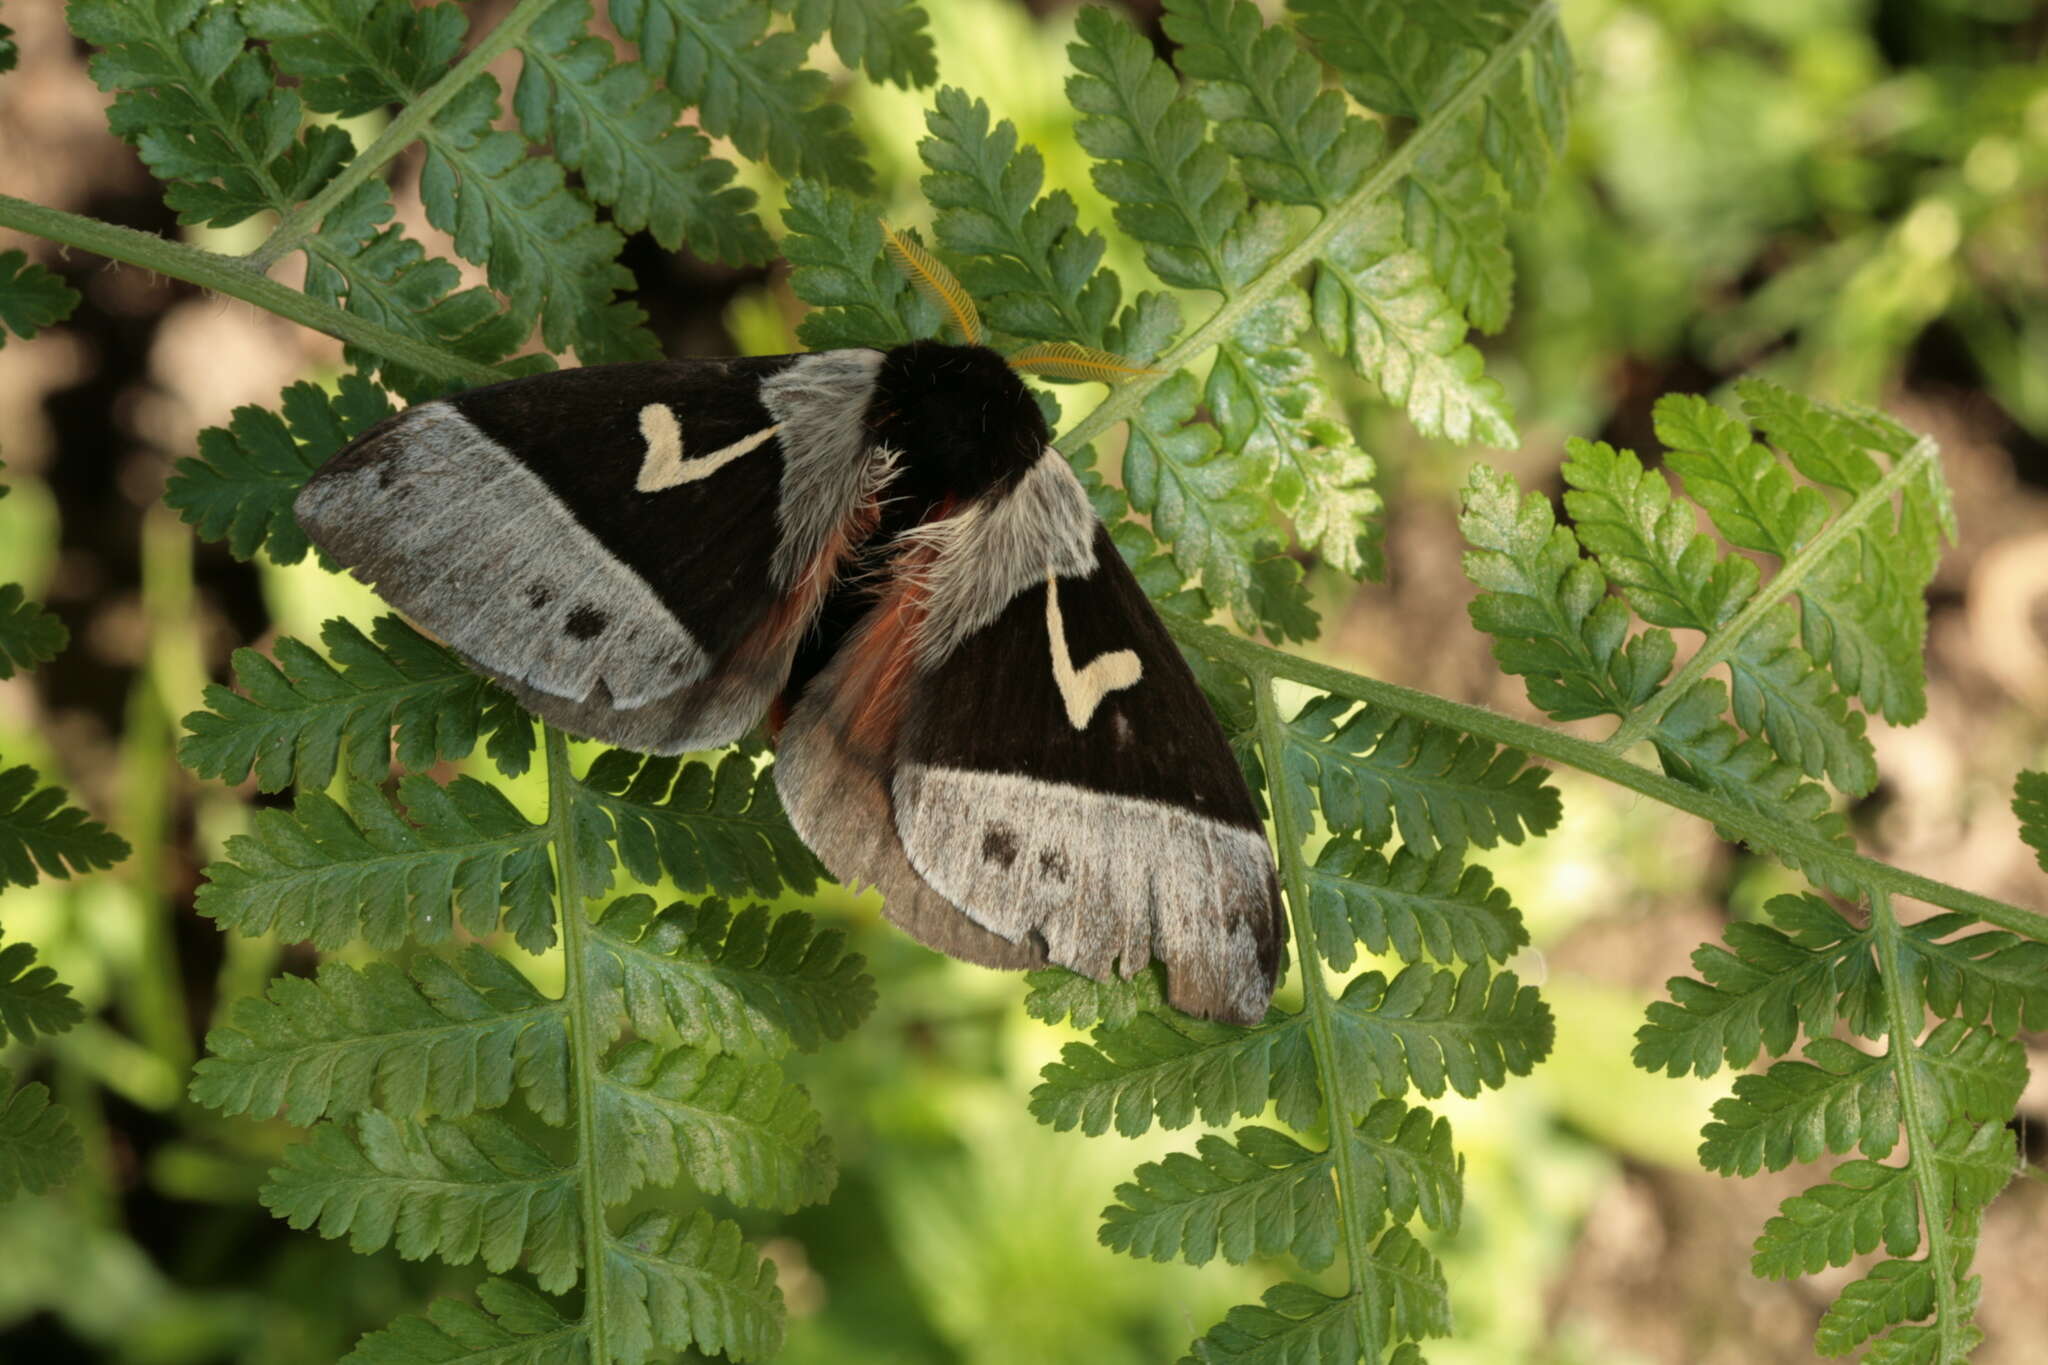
(1016, 716)
(633, 550)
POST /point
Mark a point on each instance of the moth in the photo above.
(974, 707)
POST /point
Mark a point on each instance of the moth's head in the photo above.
(959, 415)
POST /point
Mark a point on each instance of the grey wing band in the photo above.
(454, 530)
(1104, 882)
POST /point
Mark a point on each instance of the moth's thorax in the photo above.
(960, 420)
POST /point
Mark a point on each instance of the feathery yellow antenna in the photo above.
(1069, 360)
(934, 281)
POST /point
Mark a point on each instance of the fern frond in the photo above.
(1294, 141)
(384, 276)
(1548, 610)
(204, 109)
(1292, 1325)
(749, 981)
(608, 121)
(1266, 1194)
(2030, 804)
(1056, 995)
(1864, 1203)
(1377, 305)
(887, 37)
(512, 1326)
(474, 1190)
(1895, 1292)
(29, 634)
(353, 56)
(1843, 1100)
(1263, 1194)
(748, 84)
(39, 1147)
(455, 1039)
(1697, 745)
(720, 829)
(1035, 273)
(1993, 977)
(301, 718)
(31, 298)
(1410, 906)
(508, 211)
(1173, 1069)
(1177, 193)
(1410, 63)
(241, 485)
(32, 1000)
(1376, 771)
(40, 835)
(834, 246)
(1436, 1028)
(734, 1126)
(672, 1283)
(387, 872)
(1763, 990)
(1675, 577)
(541, 243)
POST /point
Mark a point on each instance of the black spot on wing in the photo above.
(1053, 864)
(539, 595)
(586, 622)
(999, 844)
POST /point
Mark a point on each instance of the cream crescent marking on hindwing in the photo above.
(1083, 690)
(664, 465)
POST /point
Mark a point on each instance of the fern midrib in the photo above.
(1904, 1021)
(1320, 1009)
(1126, 399)
(1262, 661)
(303, 221)
(586, 1035)
(1720, 646)
(233, 278)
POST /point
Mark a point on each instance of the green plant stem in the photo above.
(1321, 1012)
(155, 996)
(1261, 662)
(304, 220)
(584, 1032)
(1716, 648)
(1904, 1019)
(229, 276)
(1127, 398)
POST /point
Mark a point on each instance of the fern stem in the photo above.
(1716, 648)
(1904, 1018)
(230, 276)
(412, 121)
(1262, 662)
(584, 1033)
(1321, 1011)
(1125, 400)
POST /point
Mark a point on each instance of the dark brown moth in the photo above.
(975, 708)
